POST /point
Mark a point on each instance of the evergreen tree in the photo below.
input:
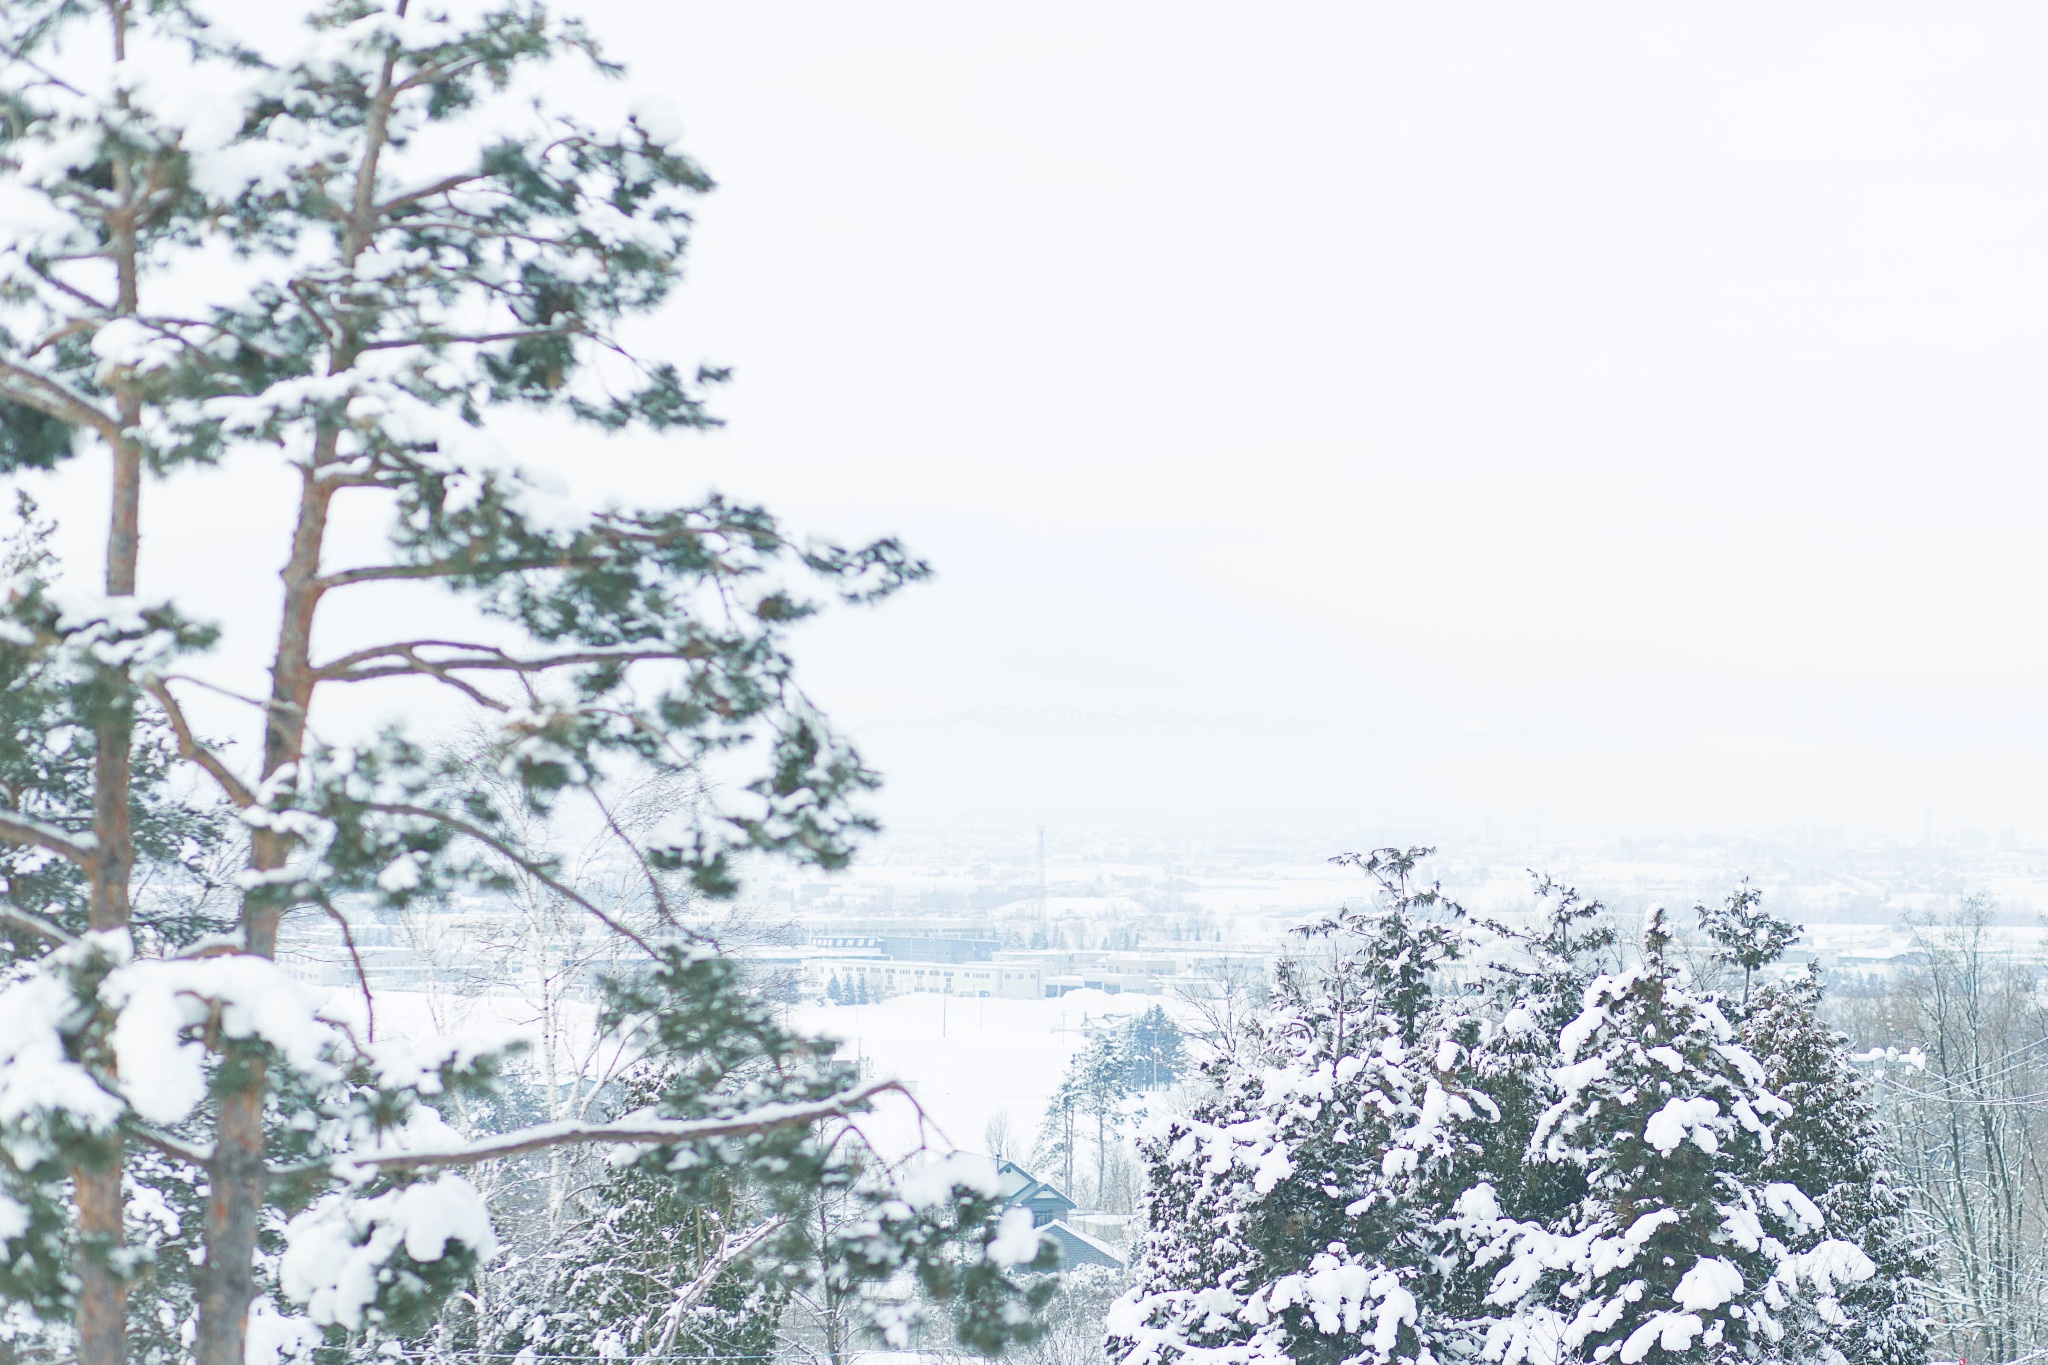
(1579, 1165)
(341, 247)
(1537, 976)
(1746, 936)
(657, 1267)
(1156, 1049)
(835, 992)
(1095, 1087)
(1682, 1243)
(1832, 1144)
(1298, 1214)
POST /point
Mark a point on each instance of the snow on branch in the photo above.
(35, 924)
(730, 1250)
(541, 1137)
(19, 829)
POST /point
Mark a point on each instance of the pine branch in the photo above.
(442, 186)
(190, 748)
(56, 399)
(730, 1249)
(415, 665)
(201, 1157)
(19, 829)
(527, 865)
(348, 940)
(481, 658)
(443, 568)
(480, 339)
(35, 924)
(649, 1132)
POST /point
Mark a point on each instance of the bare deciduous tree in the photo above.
(1972, 1126)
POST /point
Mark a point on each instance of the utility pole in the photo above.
(1044, 905)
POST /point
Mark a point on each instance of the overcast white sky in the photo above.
(1619, 417)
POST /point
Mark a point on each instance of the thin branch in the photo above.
(384, 573)
(447, 568)
(730, 1249)
(348, 940)
(416, 666)
(59, 400)
(442, 186)
(69, 329)
(483, 339)
(524, 863)
(482, 658)
(268, 705)
(19, 829)
(20, 54)
(35, 924)
(191, 749)
(653, 882)
(182, 1151)
(648, 1132)
(260, 703)
(430, 73)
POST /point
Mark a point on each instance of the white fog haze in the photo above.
(1585, 419)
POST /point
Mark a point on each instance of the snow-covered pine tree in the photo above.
(645, 1266)
(1156, 1048)
(340, 239)
(1683, 1243)
(1536, 975)
(1299, 1213)
(1832, 1144)
(1746, 936)
(1092, 1092)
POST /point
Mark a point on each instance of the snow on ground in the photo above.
(966, 1058)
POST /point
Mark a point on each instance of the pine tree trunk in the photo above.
(234, 1211)
(1067, 1155)
(1101, 1154)
(102, 1290)
(102, 1293)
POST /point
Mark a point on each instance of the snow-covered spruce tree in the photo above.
(647, 1265)
(1156, 1048)
(1683, 1242)
(1833, 1145)
(1536, 978)
(1746, 936)
(345, 237)
(1300, 1213)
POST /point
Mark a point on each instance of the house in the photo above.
(1019, 1189)
(1078, 1248)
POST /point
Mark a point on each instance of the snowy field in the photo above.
(966, 1059)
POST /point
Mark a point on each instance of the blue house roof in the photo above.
(1078, 1248)
(1021, 1189)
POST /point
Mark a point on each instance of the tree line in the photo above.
(1446, 1139)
